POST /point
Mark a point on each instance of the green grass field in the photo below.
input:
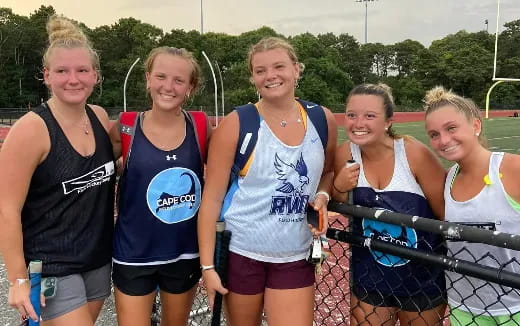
(503, 134)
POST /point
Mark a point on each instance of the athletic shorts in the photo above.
(460, 317)
(415, 303)
(248, 276)
(75, 290)
(177, 277)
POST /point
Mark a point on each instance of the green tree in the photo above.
(119, 46)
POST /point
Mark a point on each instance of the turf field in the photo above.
(503, 134)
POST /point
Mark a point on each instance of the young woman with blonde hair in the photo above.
(269, 246)
(483, 189)
(155, 239)
(57, 189)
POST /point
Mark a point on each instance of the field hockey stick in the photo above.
(35, 277)
(221, 266)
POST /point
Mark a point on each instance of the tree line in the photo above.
(333, 63)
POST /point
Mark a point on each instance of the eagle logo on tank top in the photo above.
(395, 234)
(291, 197)
(174, 195)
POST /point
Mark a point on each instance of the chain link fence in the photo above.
(477, 280)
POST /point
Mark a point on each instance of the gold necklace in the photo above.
(283, 122)
(84, 125)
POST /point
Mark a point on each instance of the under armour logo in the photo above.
(173, 157)
(126, 129)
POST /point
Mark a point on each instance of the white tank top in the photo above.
(489, 209)
(265, 210)
(402, 177)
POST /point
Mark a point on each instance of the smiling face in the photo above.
(169, 81)
(274, 73)
(70, 75)
(365, 121)
(451, 134)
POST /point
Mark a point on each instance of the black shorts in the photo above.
(177, 277)
(415, 303)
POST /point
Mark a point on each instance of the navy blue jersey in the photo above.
(159, 201)
(385, 273)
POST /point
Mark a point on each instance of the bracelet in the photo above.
(207, 268)
(336, 188)
(18, 281)
(324, 193)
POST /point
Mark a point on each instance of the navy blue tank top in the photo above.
(385, 273)
(160, 194)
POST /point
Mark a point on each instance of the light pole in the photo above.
(201, 19)
(366, 16)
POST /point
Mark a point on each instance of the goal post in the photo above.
(497, 80)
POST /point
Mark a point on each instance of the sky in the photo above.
(389, 21)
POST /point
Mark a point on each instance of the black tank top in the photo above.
(68, 215)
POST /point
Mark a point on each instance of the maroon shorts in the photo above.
(248, 276)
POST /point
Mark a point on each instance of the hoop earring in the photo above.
(297, 83)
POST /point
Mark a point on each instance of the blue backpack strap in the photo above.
(317, 116)
(249, 123)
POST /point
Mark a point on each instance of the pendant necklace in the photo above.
(85, 123)
(283, 122)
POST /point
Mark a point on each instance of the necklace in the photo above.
(283, 121)
(84, 125)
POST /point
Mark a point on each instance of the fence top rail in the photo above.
(450, 230)
(487, 273)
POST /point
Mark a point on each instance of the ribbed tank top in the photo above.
(388, 274)
(68, 215)
(491, 210)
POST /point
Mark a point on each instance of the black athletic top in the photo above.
(68, 215)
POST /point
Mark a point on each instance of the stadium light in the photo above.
(366, 16)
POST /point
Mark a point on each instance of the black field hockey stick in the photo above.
(221, 266)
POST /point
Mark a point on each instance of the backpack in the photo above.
(249, 121)
(128, 121)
